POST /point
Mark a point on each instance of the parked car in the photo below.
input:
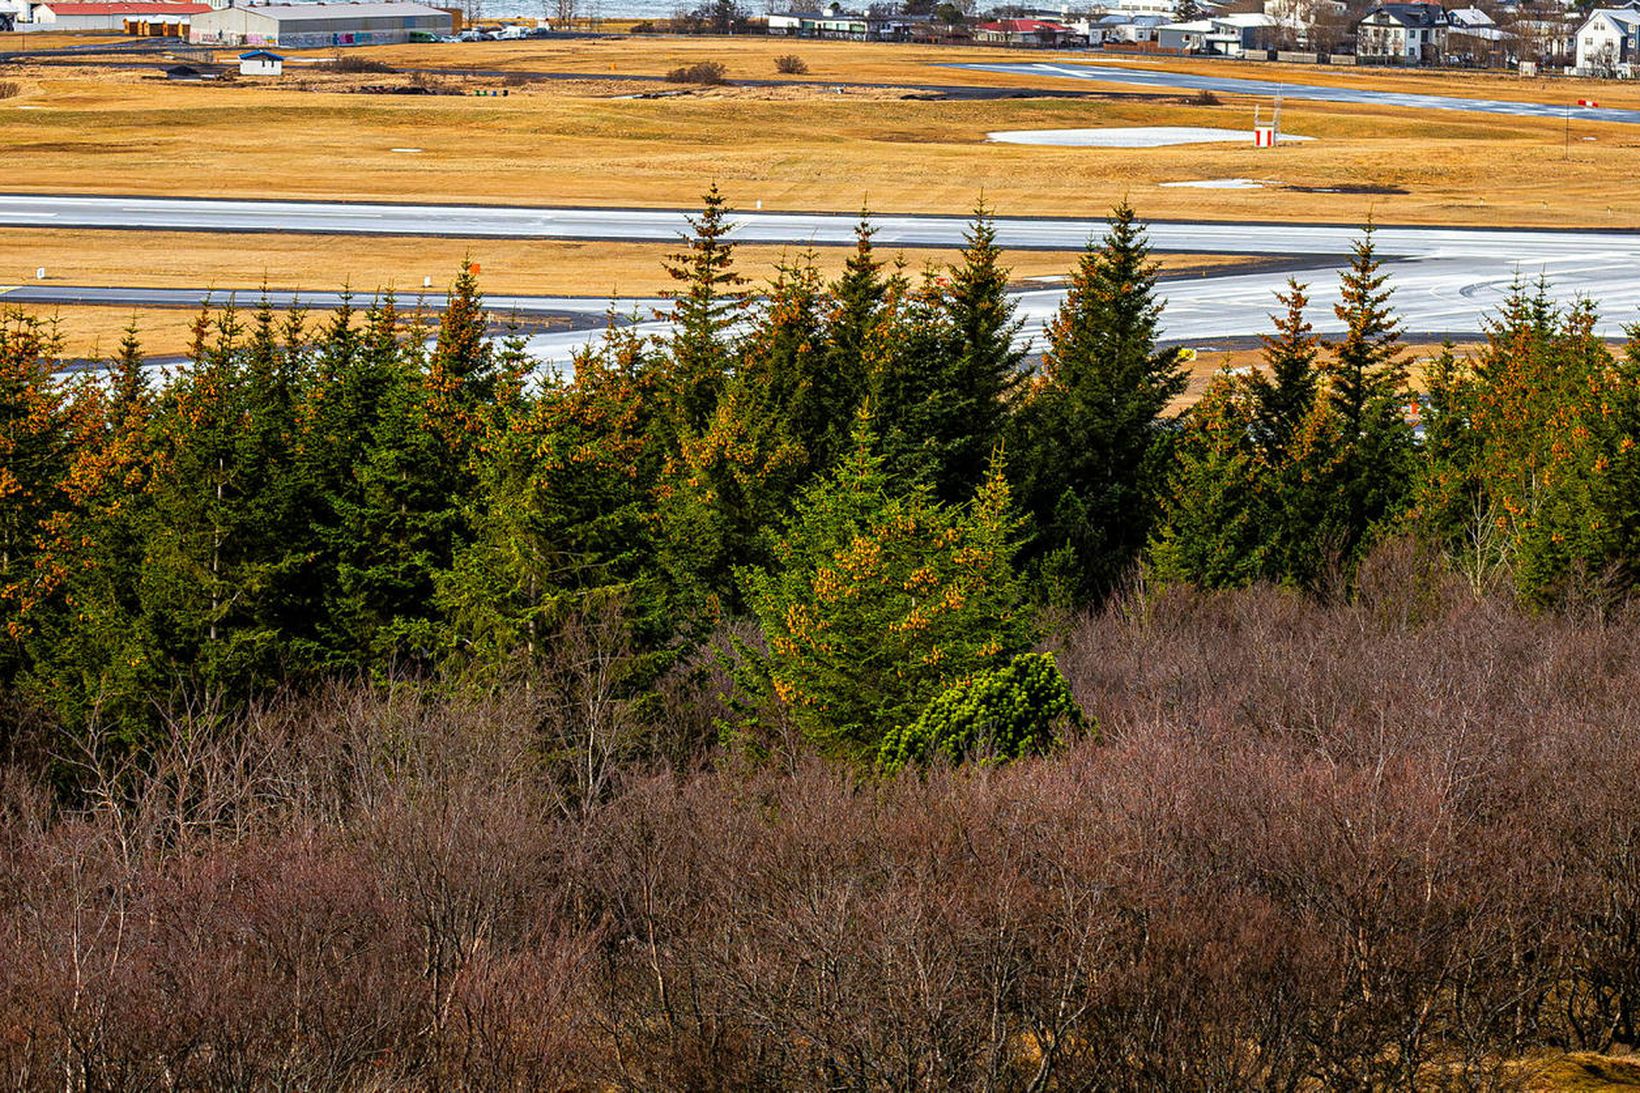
(513, 34)
(473, 34)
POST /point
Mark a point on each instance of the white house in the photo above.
(1298, 18)
(1121, 28)
(835, 21)
(259, 62)
(1402, 33)
(1219, 35)
(1608, 42)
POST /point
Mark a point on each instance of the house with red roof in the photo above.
(1042, 33)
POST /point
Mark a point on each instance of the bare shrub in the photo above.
(10, 89)
(1378, 845)
(790, 64)
(1204, 97)
(708, 73)
(353, 63)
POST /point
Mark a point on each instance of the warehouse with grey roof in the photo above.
(296, 26)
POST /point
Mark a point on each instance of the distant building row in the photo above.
(224, 22)
(1605, 43)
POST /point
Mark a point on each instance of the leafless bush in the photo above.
(709, 73)
(1204, 97)
(10, 89)
(1381, 845)
(790, 64)
(353, 63)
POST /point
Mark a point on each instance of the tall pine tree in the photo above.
(1091, 444)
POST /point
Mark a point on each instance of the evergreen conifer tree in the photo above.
(1214, 521)
(1091, 445)
(877, 601)
(1367, 391)
(1287, 392)
(703, 312)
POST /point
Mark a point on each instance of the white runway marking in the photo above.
(1146, 136)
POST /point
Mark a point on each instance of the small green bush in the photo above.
(994, 716)
(707, 72)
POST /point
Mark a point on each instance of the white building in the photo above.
(310, 25)
(1402, 33)
(1219, 35)
(835, 21)
(109, 15)
(1608, 42)
(259, 62)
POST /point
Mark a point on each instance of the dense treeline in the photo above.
(379, 711)
(865, 469)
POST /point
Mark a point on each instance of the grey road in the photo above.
(1229, 85)
(665, 225)
(1449, 279)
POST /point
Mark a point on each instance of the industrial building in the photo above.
(317, 25)
(109, 15)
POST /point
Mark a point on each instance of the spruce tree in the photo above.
(942, 390)
(988, 359)
(703, 312)
(1091, 442)
(1286, 392)
(1215, 520)
(36, 450)
(855, 301)
(1367, 390)
(877, 601)
(729, 485)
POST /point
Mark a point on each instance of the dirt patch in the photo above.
(1349, 188)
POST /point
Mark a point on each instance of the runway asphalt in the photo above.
(1447, 279)
(1268, 89)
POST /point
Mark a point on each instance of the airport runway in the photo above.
(1448, 279)
(665, 226)
(1268, 89)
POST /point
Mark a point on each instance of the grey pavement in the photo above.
(1448, 279)
(1268, 89)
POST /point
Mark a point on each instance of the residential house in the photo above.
(1307, 24)
(1219, 35)
(835, 21)
(1608, 42)
(1473, 37)
(1121, 28)
(1042, 33)
(1402, 34)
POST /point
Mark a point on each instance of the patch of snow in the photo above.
(1148, 136)
(404, 149)
(1219, 184)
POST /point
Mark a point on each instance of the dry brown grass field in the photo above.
(85, 129)
(95, 333)
(522, 266)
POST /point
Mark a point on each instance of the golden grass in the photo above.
(56, 39)
(1580, 1072)
(326, 263)
(895, 63)
(103, 132)
(94, 333)
(1559, 91)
